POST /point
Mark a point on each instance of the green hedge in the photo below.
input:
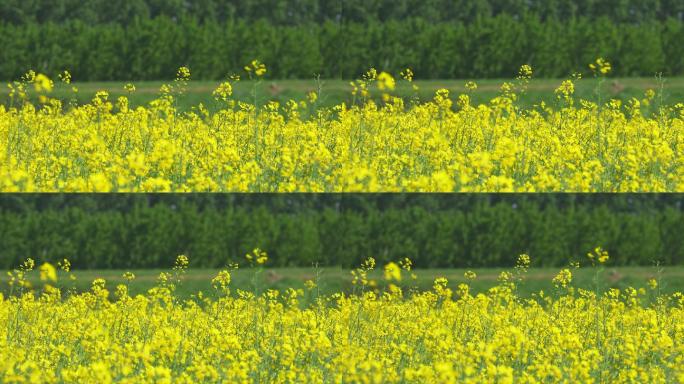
(146, 231)
(294, 12)
(494, 47)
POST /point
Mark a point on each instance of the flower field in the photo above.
(400, 160)
(369, 144)
(383, 331)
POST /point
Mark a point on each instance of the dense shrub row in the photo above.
(293, 12)
(153, 49)
(135, 231)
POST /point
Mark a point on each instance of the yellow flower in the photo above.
(258, 256)
(65, 76)
(525, 71)
(392, 272)
(222, 280)
(224, 91)
(523, 261)
(471, 86)
(566, 89)
(182, 262)
(470, 275)
(28, 265)
(407, 74)
(600, 66)
(309, 284)
(64, 265)
(386, 82)
(183, 73)
(128, 276)
(42, 83)
(246, 337)
(256, 67)
(563, 278)
(599, 255)
(105, 146)
(406, 264)
(48, 273)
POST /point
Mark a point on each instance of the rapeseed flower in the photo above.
(445, 144)
(48, 273)
(386, 82)
(392, 272)
(378, 335)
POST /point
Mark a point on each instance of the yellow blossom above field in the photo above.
(379, 334)
(392, 144)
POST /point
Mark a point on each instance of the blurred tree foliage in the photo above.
(484, 47)
(454, 230)
(296, 12)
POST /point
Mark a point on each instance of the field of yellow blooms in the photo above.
(448, 334)
(389, 144)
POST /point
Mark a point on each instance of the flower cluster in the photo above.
(444, 144)
(381, 335)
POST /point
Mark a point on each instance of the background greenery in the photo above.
(445, 231)
(439, 39)
(293, 12)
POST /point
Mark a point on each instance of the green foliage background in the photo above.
(454, 230)
(150, 39)
(294, 12)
